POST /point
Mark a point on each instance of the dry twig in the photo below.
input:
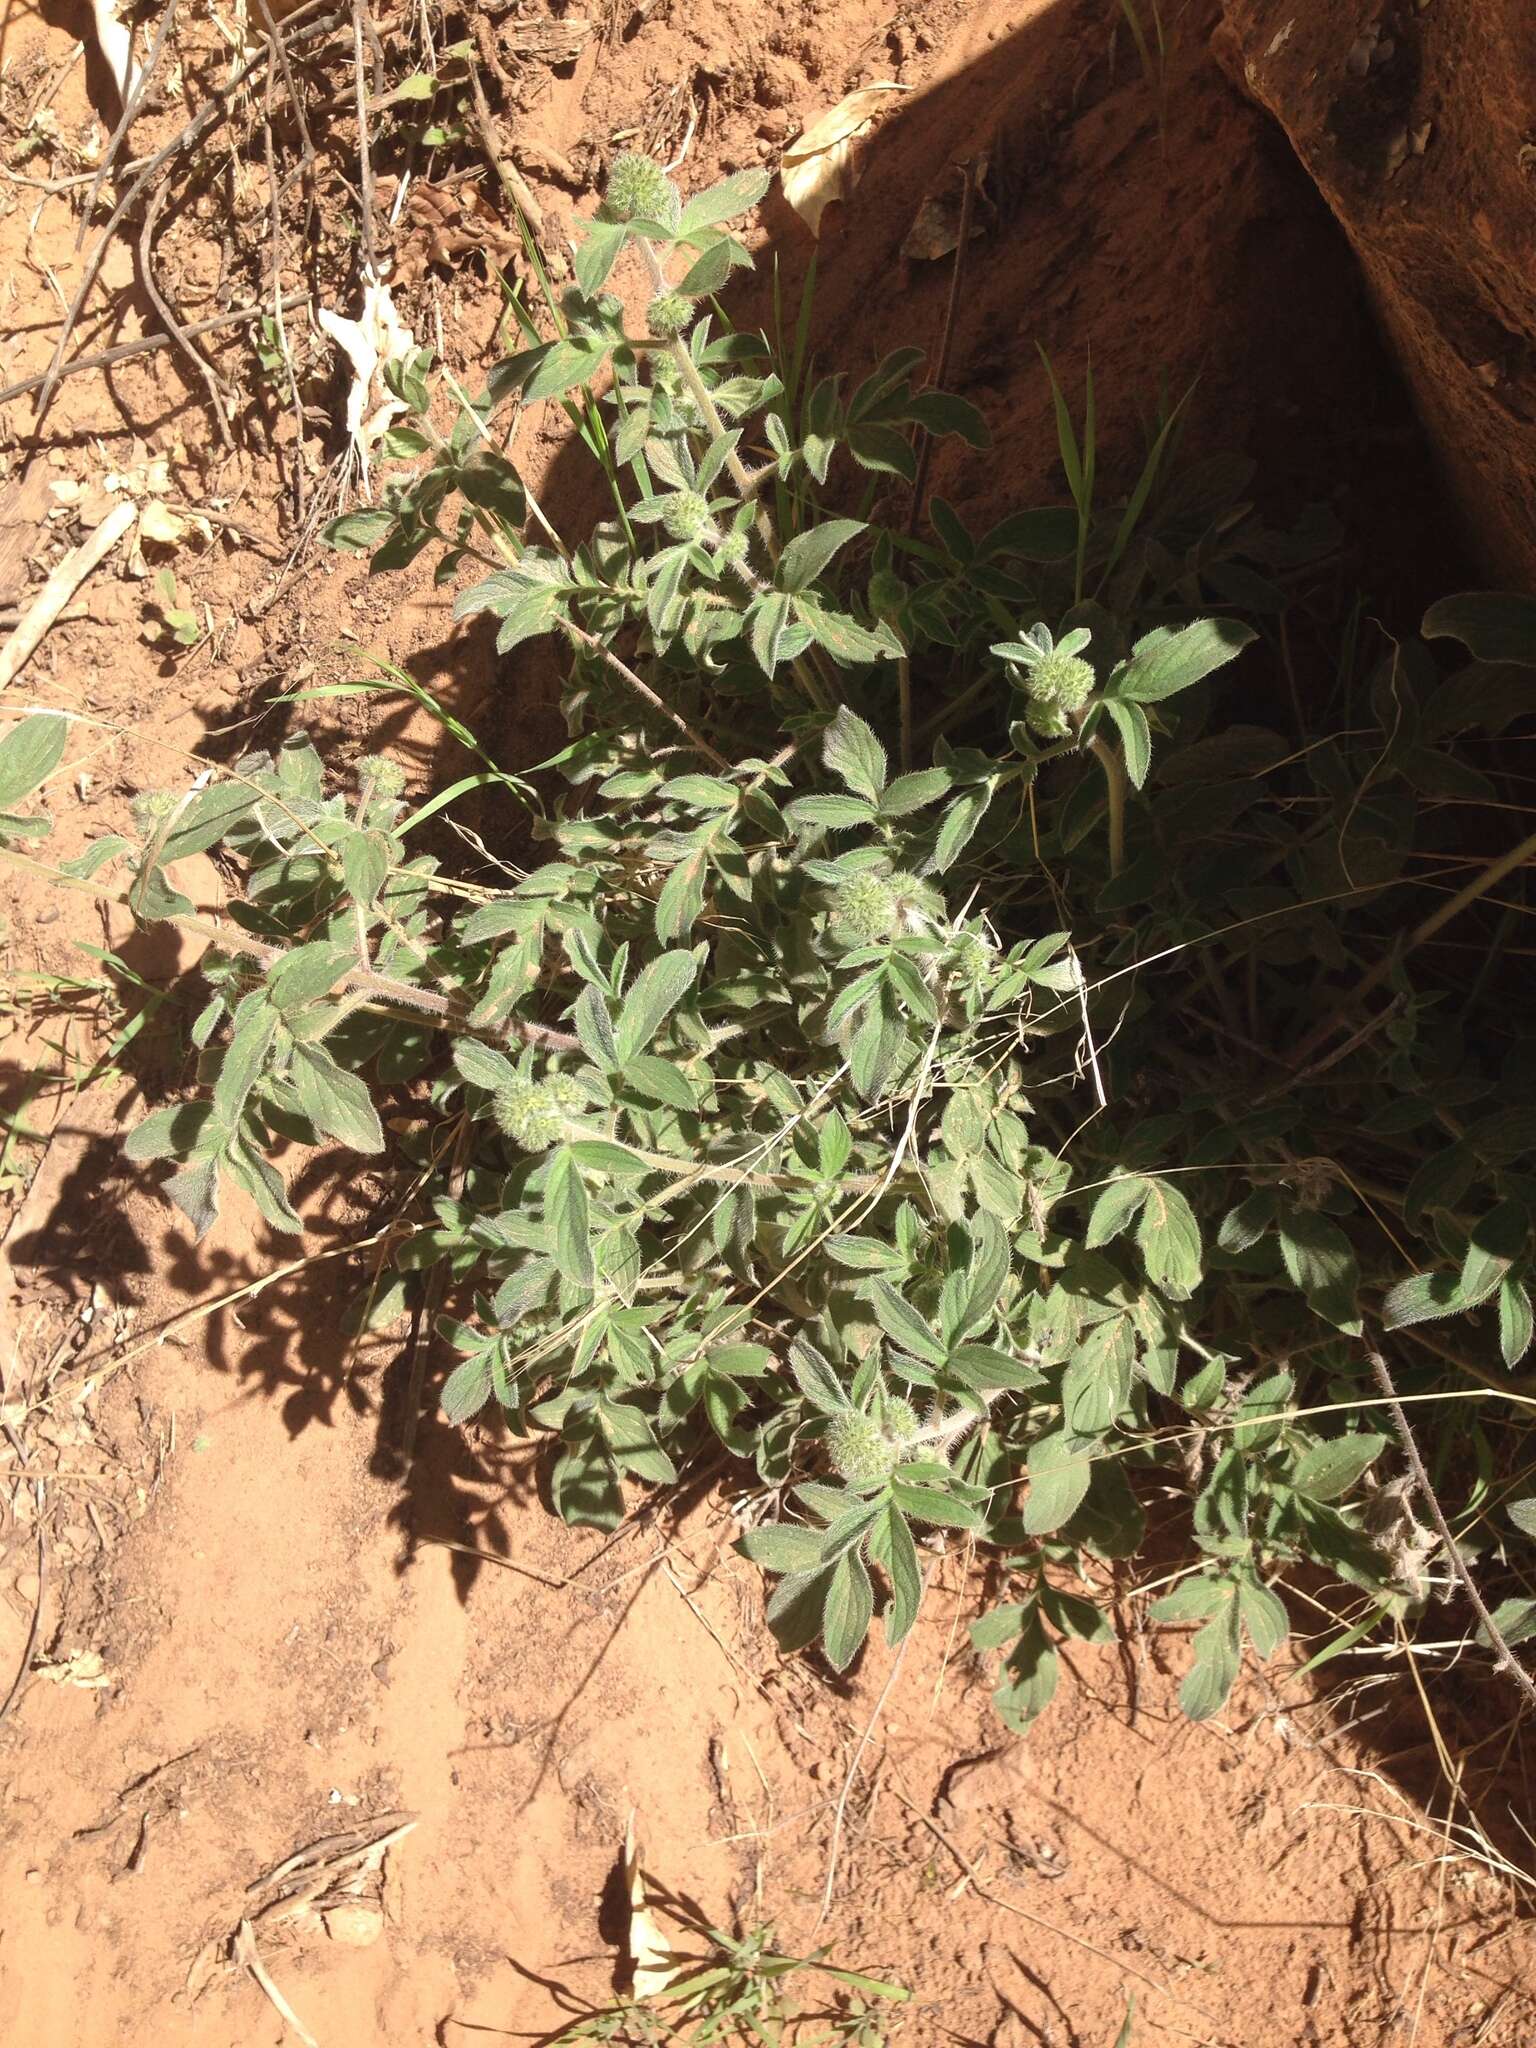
(60, 587)
(1504, 1656)
(164, 308)
(124, 351)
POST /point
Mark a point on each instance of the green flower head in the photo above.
(901, 1421)
(1055, 679)
(731, 550)
(565, 1093)
(639, 189)
(866, 906)
(887, 594)
(864, 1451)
(531, 1112)
(687, 517)
(670, 314)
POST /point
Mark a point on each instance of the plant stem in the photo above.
(815, 684)
(1489, 878)
(677, 348)
(904, 691)
(643, 689)
(1504, 1656)
(380, 991)
(1114, 785)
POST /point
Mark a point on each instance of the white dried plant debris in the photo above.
(378, 336)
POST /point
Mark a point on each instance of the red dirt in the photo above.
(287, 1647)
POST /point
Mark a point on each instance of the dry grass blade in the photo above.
(60, 587)
(330, 1861)
(248, 1956)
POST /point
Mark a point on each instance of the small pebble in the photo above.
(356, 1926)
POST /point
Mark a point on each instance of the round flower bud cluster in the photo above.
(387, 777)
(887, 594)
(865, 1452)
(670, 314)
(687, 517)
(534, 1113)
(151, 807)
(971, 960)
(731, 550)
(1057, 686)
(639, 189)
(867, 907)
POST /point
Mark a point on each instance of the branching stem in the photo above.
(1504, 1656)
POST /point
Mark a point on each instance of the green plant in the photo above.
(972, 1140)
(740, 1992)
(1153, 52)
(177, 622)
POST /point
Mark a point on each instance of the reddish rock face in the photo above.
(1417, 121)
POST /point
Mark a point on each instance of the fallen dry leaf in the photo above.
(650, 1953)
(441, 223)
(818, 166)
(158, 522)
(935, 229)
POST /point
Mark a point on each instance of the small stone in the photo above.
(34, 1877)
(354, 1926)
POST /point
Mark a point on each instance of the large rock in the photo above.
(1417, 122)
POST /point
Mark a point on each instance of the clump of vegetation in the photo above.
(959, 1053)
(745, 1990)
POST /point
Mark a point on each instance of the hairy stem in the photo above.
(1489, 878)
(378, 991)
(1114, 787)
(812, 682)
(643, 690)
(1503, 1655)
